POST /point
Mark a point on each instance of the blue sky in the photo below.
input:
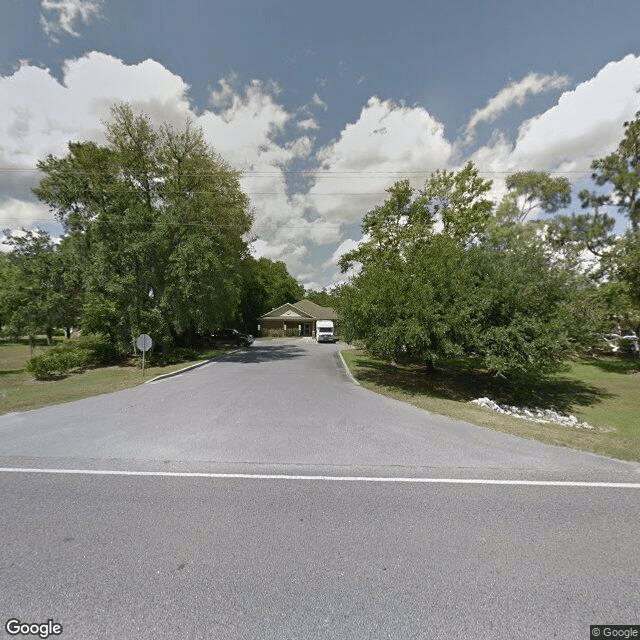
(357, 93)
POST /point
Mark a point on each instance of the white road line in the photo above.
(257, 476)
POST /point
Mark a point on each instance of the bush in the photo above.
(628, 348)
(175, 356)
(79, 353)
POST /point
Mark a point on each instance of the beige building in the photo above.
(298, 318)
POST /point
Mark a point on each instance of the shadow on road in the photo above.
(266, 353)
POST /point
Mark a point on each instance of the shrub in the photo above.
(628, 348)
(79, 353)
(175, 356)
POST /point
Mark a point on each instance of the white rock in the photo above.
(542, 416)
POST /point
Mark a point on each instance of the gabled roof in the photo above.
(301, 310)
(288, 311)
(321, 313)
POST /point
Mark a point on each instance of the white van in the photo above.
(324, 331)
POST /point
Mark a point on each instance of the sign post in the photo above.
(144, 343)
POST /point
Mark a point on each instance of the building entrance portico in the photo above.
(297, 319)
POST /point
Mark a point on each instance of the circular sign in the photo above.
(144, 342)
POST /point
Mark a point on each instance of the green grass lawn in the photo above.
(19, 391)
(603, 392)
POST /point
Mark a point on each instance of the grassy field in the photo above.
(603, 392)
(19, 391)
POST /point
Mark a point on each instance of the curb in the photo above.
(346, 368)
(191, 366)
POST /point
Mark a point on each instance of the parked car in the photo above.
(230, 338)
(632, 343)
(614, 341)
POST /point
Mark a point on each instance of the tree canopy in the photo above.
(154, 223)
(267, 285)
(529, 191)
(32, 293)
(155, 229)
(620, 171)
(441, 277)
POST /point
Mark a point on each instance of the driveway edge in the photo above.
(348, 371)
(191, 366)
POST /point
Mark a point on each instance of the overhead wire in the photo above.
(319, 172)
(308, 173)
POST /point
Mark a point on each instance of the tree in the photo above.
(6, 277)
(531, 190)
(629, 265)
(621, 170)
(482, 288)
(323, 297)
(33, 296)
(156, 221)
(9, 276)
(408, 295)
(459, 199)
(267, 285)
(533, 307)
(591, 231)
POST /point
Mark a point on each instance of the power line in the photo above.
(211, 225)
(320, 173)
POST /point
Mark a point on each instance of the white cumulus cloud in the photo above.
(62, 15)
(308, 226)
(514, 93)
(388, 142)
(317, 101)
(39, 115)
(309, 123)
(344, 247)
(586, 123)
(16, 214)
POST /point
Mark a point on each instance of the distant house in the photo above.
(298, 318)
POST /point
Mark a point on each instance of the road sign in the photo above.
(144, 342)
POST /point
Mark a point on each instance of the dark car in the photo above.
(230, 338)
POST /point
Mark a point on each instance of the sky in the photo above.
(322, 105)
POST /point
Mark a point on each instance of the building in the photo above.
(295, 319)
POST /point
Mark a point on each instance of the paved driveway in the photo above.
(283, 402)
(264, 495)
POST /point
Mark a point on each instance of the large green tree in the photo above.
(33, 293)
(617, 176)
(267, 284)
(471, 286)
(156, 222)
(408, 294)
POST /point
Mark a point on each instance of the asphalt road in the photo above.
(265, 495)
